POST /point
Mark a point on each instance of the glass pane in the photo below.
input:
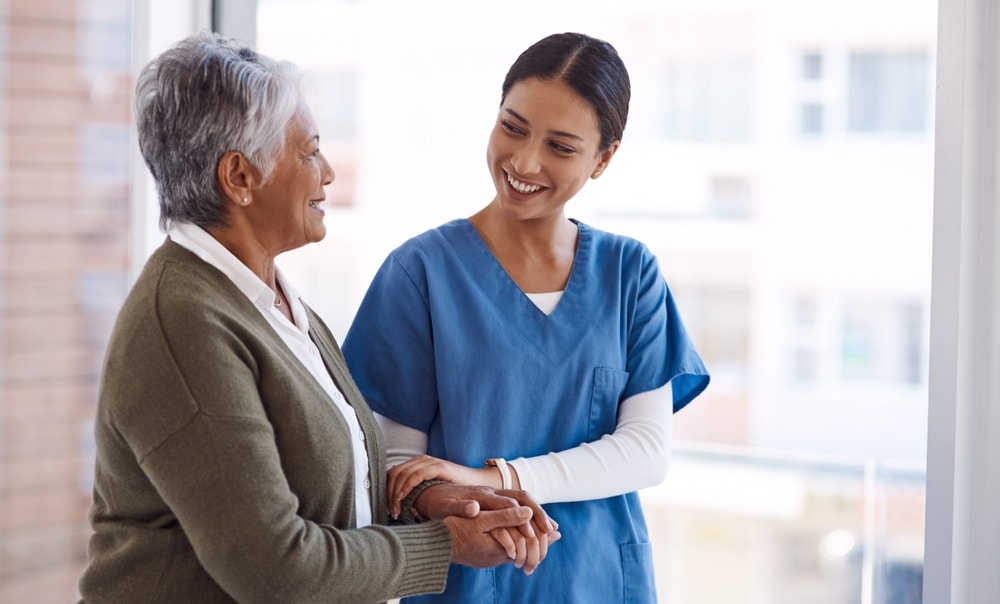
(811, 119)
(65, 69)
(889, 91)
(741, 527)
(798, 251)
(812, 66)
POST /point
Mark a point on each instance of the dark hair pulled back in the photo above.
(589, 66)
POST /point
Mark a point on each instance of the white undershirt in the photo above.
(295, 336)
(636, 455)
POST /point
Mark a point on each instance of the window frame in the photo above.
(962, 489)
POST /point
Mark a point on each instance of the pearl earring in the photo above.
(246, 200)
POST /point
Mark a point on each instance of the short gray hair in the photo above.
(203, 97)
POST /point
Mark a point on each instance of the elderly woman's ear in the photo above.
(237, 177)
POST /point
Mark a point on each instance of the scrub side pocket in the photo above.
(638, 574)
(609, 385)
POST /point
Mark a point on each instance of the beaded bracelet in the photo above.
(408, 510)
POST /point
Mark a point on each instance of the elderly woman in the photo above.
(236, 459)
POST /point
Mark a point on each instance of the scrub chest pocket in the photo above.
(609, 384)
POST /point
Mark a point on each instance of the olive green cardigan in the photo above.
(224, 472)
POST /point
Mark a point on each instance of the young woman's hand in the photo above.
(404, 477)
(529, 552)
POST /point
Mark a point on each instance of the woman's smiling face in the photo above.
(286, 209)
(544, 147)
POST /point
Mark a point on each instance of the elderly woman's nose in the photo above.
(326, 171)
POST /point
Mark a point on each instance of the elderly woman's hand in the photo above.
(405, 477)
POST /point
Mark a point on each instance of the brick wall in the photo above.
(65, 83)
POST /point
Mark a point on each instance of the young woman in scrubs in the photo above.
(521, 348)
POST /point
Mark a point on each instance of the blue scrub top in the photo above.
(447, 343)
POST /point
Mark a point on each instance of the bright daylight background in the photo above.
(778, 159)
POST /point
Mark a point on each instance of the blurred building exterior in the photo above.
(65, 84)
(779, 161)
(778, 158)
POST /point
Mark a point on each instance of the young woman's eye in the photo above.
(563, 149)
(510, 127)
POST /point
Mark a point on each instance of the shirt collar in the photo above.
(208, 248)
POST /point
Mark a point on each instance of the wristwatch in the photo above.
(501, 464)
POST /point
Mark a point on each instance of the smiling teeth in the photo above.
(521, 187)
(314, 204)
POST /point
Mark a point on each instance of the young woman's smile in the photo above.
(522, 189)
(544, 147)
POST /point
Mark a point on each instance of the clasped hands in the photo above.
(489, 526)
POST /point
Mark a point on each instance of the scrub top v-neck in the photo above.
(447, 343)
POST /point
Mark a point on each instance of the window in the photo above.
(882, 341)
(874, 92)
(812, 66)
(753, 229)
(44, 575)
(811, 119)
(707, 142)
(707, 100)
(806, 339)
(888, 92)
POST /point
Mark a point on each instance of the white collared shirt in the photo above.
(295, 336)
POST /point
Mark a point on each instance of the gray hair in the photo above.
(200, 99)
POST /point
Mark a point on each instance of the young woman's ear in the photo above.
(605, 159)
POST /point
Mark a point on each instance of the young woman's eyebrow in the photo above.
(552, 132)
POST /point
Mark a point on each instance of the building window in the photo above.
(882, 341)
(888, 92)
(811, 119)
(805, 323)
(805, 365)
(708, 100)
(812, 66)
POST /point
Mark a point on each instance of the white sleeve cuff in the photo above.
(636, 455)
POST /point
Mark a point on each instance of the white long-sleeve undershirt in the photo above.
(636, 455)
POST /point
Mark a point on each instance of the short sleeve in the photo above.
(389, 347)
(659, 349)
